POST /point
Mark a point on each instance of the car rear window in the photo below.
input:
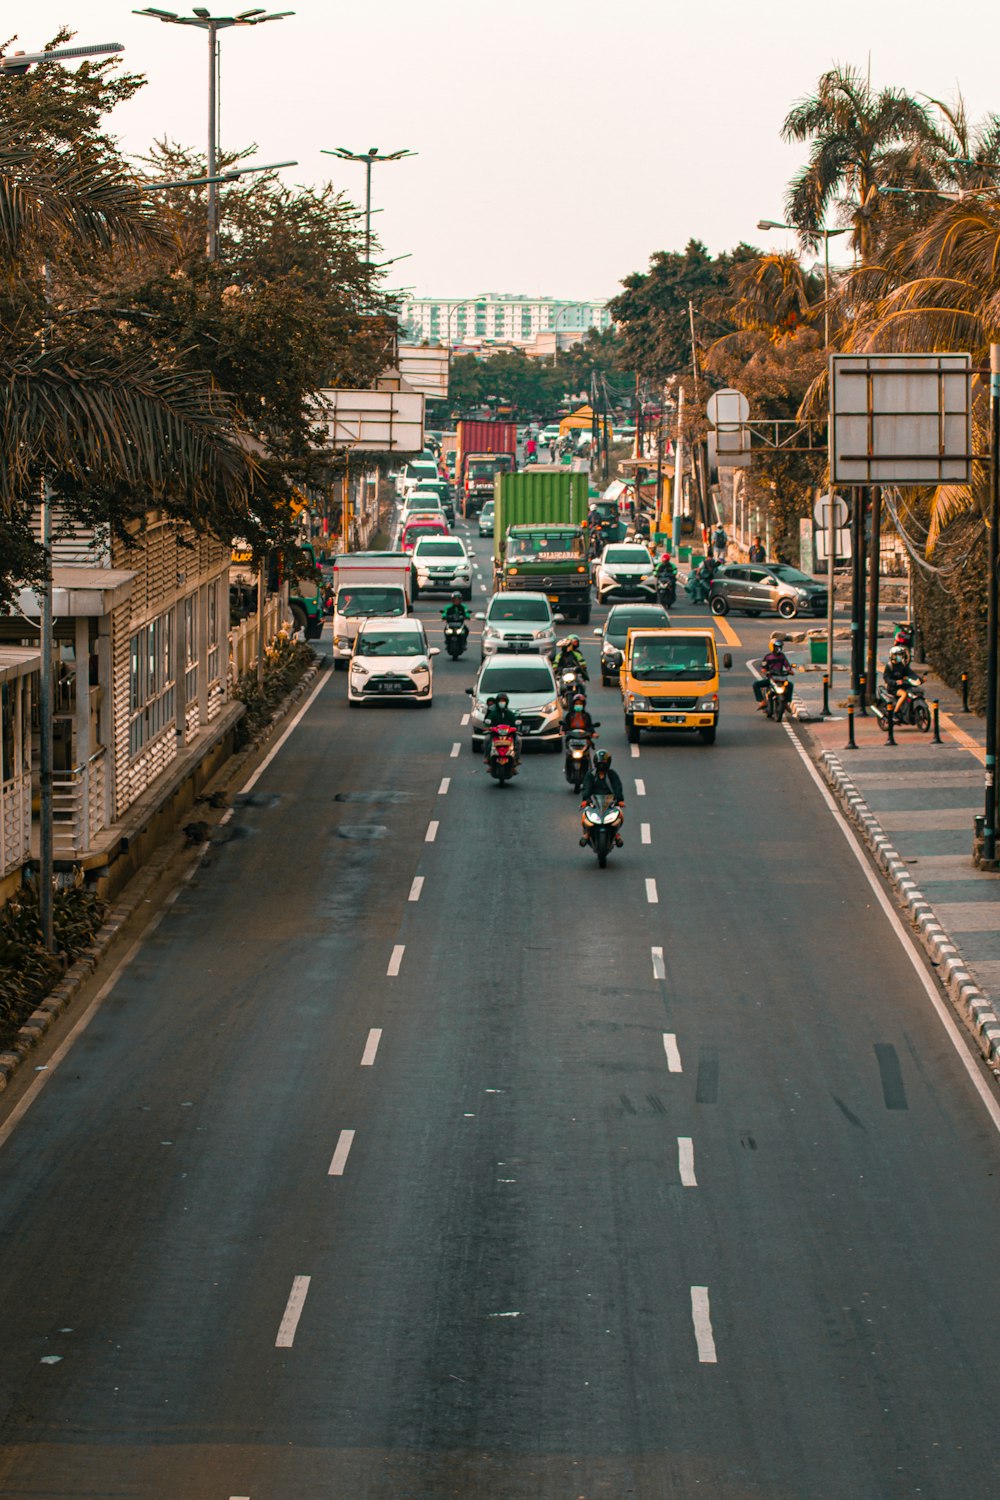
(502, 678)
(519, 609)
(440, 549)
(621, 621)
(626, 555)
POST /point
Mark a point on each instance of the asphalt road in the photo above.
(415, 1156)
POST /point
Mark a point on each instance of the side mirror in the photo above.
(434, 651)
(598, 631)
(771, 582)
(727, 660)
(480, 615)
(470, 692)
(559, 619)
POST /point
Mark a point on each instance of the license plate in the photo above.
(553, 598)
(672, 718)
(390, 687)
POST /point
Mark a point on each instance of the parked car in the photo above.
(442, 566)
(625, 571)
(486, 519)
(391, 659)
(766, 588)
(621, 619)
(530, 684)
(517, 623)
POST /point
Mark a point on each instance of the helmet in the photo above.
(899, 653)
(456, 598)
(572, 641)
(775, 643)
(579, 700)
(602, 760)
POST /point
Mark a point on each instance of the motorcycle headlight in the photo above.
(592, 816)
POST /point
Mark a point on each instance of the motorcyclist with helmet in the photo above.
(774, 664)
(897, 676)
(568, 657)
(600, 781)
(577, 719)
(455, 613)
(498, 712)
(666, 577)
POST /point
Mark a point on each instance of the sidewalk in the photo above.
(914, 805)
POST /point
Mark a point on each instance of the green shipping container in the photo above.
(538, 496)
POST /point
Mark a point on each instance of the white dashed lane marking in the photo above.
(635, 752)
(456, 750)
(640, 788)
(432, 832)
(396, 960)
(344, 1143)
(652, 895)
(659, 967)
(702, 1319)
(673, 1052)
(293, 1312)
(685, 1161)
(416, 888)
(645, 834)
(371, 1047)
(445, 784)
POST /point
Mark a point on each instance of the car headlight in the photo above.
(421, 666)
(635, 701)
(491, 630)
(802, 593)
(539, 635)
(708, 705)
(358, 670)
(612, 653)
(552, 707)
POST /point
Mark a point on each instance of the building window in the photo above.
(151, 681)
(190, 648)
(213, 631)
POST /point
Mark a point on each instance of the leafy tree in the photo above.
(652, 310)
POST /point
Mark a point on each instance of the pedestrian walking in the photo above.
(757, 553)
(720, 542)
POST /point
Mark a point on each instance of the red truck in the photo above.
(484, 449)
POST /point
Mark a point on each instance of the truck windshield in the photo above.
(364, 599)
(519, 609)
(482, 470)
(659, 659)
(558, 544)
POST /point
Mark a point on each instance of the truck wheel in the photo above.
(632, 734)
(583, 615)
(708, 735)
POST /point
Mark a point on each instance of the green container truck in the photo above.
(540, 539)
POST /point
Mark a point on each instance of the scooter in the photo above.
(570, 682)
(602, 820)
(456, 638)
(579, 753)
(666, 589)
(503, 758)
(914, 711)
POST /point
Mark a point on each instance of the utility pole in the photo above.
(874, 564)
(677, 489)
(992, 612)
(857, 588)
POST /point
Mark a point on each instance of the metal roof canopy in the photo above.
(80, 593)
(902, 419)
(18, 661)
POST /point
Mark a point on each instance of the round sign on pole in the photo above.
(821, 511)
(728, 408)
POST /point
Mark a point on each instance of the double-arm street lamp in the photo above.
(369, 157)
(828, 235)
(212, 25)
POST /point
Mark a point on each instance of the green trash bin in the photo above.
(817, 650)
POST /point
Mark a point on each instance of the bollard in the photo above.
(850, 727)
(890, 724)
(862, 704)
(936, 720)
(826, 695)
(965, 692)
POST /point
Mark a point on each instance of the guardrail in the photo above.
(78, 804)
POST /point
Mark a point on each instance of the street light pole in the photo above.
(369, 158)
(992, 613)
(212, 25)
(828, 235)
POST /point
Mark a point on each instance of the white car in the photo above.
(530, 684)
(625, 571)
(442, 566)
(421, 500)
(391, 659)
(518, 622)
(418, 469)
(550, 434)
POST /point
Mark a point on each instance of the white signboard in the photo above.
(373, 421)
(821, 511)
(900, 419)
(727, 408)
(728, 411)
(424, 369)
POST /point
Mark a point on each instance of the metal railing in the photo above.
(15, 823)
(243, 638)
(78, 805)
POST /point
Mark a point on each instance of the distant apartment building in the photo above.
(493, 318)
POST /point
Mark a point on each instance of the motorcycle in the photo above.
(777, 697)
(904, 635)
(666, 589)
(570, 681)
(579, 752)
(456, 638)
(602, 819)
(697, 587)
(914, 711)
(503, 759)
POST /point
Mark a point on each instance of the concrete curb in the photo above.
(135, 893)
(973, 1005)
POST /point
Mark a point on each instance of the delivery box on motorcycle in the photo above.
(670, 680)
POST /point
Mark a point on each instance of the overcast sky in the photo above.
(559, 143)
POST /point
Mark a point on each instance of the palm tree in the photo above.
(861, 142)
(96, 406)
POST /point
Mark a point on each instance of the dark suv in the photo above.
(766, 588)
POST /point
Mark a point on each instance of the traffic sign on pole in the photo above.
(822, 507)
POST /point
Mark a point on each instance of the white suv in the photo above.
(391, 659)
(442, 566)
(625, 571)
(518, 622)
